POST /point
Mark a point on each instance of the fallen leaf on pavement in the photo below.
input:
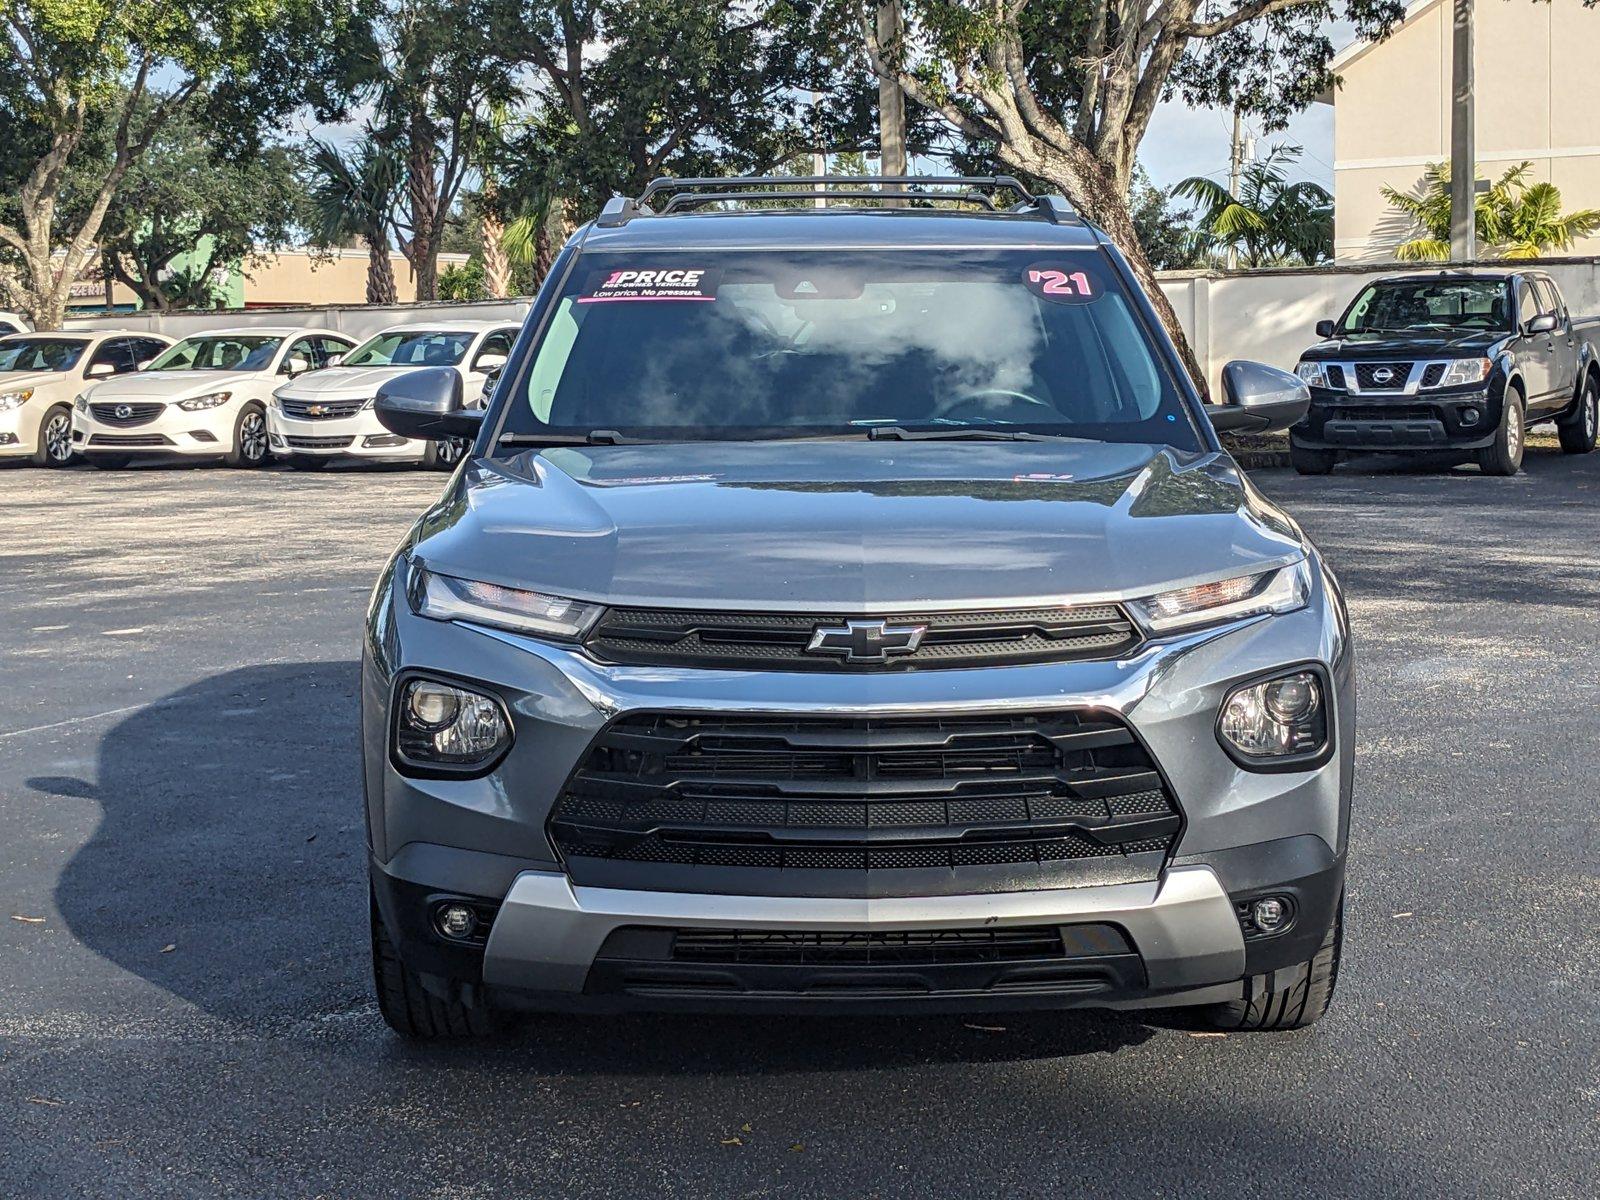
(46, 1100)
(733, 1141)
(1208, 1035)
(27, 920)
(797, 1147)
(1397, 916)
(985, 1028)
(169, 948)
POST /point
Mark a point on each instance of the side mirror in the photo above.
(335, 359)
(490, 362)
(100, 370)
(296, 365)
(1325, 328)
(1259, 399)
(426, 404)
(1543, 323)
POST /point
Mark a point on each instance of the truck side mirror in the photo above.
(1325, 328)
(1543, 323)
(427, 404)
(1259, 399)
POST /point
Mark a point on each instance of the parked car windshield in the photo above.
(771, 343)
(412, 348)
(219, 352)
(40, 353)
(1397, 306)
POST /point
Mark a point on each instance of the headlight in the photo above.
(443, 725)
(10, 400)
(1463, 371)
(1279, 591)
(1276, 721)
(201, 403)
(81, 402)
(447, 598)
(1313, 374)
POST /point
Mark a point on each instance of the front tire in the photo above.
(1308, 461)
(1503, 456)
(55, 438)
(410, 1009)
(250, 444)
(1577, 435)
(1300, 1004)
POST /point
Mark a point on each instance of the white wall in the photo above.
(360, 321)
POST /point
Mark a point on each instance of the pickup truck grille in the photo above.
(1383, 376)
(864, 794)
(779, 641)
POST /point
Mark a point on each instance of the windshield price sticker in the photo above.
(1061, 284)
(652, 283)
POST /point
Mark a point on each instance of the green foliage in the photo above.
(1163, 226)
(1514, 219)
(464, 282)
(1270, 221)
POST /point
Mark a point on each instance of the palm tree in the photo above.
(1514, 219)
(353, 196)
(1270, 221)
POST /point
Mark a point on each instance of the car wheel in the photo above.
(410, 1009)
(55, 438)
(249, 438)
(1308, 461)
(307, 462)
(1503, 456)
(445, 454)
(1577, 434)
(110, 462)
(1300, 1004)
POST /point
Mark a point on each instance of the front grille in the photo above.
(779, 641)
(319, 443)
(1368, 376)
(1432, 374)
(320, 410)
(137, 414)
(907, 948)
(129, 439)
(864, 794)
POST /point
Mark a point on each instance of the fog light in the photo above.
(1270, 914)
(1470, 416)
(456, 921)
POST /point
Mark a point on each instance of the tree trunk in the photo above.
(496, 267)
(380, 273)
(424, 193)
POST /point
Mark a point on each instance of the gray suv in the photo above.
(852, 609)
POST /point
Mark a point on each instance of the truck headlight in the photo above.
(1313, 374)
(1278, 591)
(201, 403)
(449, 598)
(11, 400)
(440, 725)
(1462, 371)
(1278, 721)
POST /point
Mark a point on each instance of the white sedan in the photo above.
(207, 396)
(329, 415)
(41, 373)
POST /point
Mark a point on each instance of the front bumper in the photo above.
(19, 432)
(1459, 420)
(360, 436)
(206, 433)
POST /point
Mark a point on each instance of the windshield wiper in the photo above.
(977, 433)
(595, 437)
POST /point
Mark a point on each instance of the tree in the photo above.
(1064, 90)
(73, 72)
(182, 201)
(1514, 219)
(351, 198)
(1270, 220)
(1163, 227)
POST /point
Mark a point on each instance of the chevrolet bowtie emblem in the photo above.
(866, 641)
(316, 410)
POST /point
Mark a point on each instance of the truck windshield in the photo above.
(220, 352)
(1399, 305)
(40, 353)
(683, 345)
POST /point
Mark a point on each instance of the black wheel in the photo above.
(1300, 1004)
(55, 438)
(1307, 461)
(410, 1009)
(249, 438)
(1503, 456)
(110, 462)
(1577, 432)
(307, 462)
(445, 454)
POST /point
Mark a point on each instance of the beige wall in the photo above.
(1538, 99)
(301, 277)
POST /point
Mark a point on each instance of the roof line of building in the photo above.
(1360, 47)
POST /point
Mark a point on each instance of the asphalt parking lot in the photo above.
(184, 1000)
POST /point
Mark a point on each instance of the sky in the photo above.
(1184, 141)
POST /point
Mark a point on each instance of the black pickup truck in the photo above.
(1454, 362)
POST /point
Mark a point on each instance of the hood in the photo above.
(1367, 347)
(342, 382)
(852, 526)
(171, 385)
(16, 381)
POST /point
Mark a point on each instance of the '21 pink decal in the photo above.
(1063, 287)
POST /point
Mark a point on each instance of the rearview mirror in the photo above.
(100, 370)
(1259, 399)
(1543, 323)
(1325, 328)
(426, 404)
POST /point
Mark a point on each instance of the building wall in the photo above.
(1538, 100)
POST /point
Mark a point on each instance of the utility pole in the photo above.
(1235, 169)
(891, 100)
(1463, 165)
(819, 156)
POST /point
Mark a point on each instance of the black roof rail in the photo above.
(684, 195)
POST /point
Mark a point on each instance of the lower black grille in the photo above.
(319, 443)
(129, 439)
(126, 415)
(917, 948)
(866, 794)
(1383, 376)
(1387, 412)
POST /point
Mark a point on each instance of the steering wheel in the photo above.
(984, 397)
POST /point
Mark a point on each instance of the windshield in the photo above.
(769, 343)
(40, 354)
(219, 352)
(1405, 304)
(411, 348)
